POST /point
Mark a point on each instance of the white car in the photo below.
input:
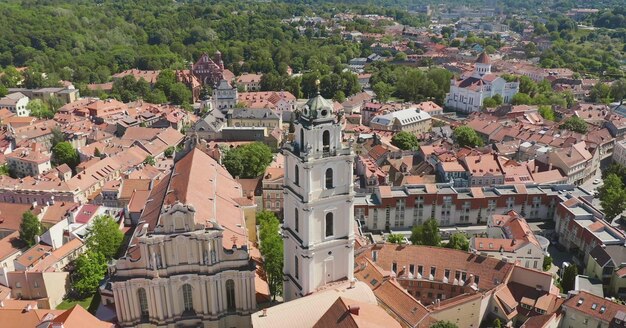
(596, 181)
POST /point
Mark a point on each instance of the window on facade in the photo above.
(433, 270)
(143, 301)
(296, 220)
(296, 178)
(187, 298)
(412, 269)
(329, 178)
(329, 224)
(326, 140)
(420, 270)
(296, 267)
(374, 256)
(394, 267)
(230, 295)
(301, 139)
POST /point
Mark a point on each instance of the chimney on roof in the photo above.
(354, 309)
(264, 313)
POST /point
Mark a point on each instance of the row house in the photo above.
(510, 238)
(410, 205)
(272, 186)
(581, 228)
(608, 264)
(576, 162)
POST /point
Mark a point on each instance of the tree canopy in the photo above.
(272, 250)
(104, 236)
(30, 228)
(443, 324)
(467, 137)
(248, 161)
(405, 141)
(458, 241)
(90, 269)
(395, 238)
(613, 196)
(575, 124)
(64, 153)
(569, 278)
(426, 234)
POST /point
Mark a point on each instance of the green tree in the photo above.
(104, 236)
(29, 228)
(575, 124)
(64, 153)
(5, 170)
(458, 241)
(547, 262)
(149, 160)
(57, 136)
(617, 169)
(271, 247)
(248, 161)
(339, 96)
(569, 278)
(169, 151)
(489, 103)
(497, 323)
(405, 141)
(39, 109)
(3, 90)
(443, 324)
(179, 94)
(618, 90)
(395, 238)
(383, 91)
(521, 99)
(612, 196)
(600, 92)
(90, 270)
(426, 234)
(547, 113)
(467, 137)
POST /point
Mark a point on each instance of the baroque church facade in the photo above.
(188, 263)
(318, 228)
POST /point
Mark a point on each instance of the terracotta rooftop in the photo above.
(348, 313)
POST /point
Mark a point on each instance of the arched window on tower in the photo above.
(329, 224)
(329, 178)
(326, 141)
(187, 299)
(230, 295)
(302, 140)
(143, 303)
(296, 178)
(296, 220)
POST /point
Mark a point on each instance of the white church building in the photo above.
(188, 263)
(318, 227)
(467, 94)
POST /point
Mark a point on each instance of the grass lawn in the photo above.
(90, 303)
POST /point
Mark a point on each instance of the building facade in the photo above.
(188, 263)
(210, 71)
(224, 96)
(318, 227)
(467, 95)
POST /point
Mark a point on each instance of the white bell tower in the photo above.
(318, 228)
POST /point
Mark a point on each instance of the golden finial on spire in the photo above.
(317, 85)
